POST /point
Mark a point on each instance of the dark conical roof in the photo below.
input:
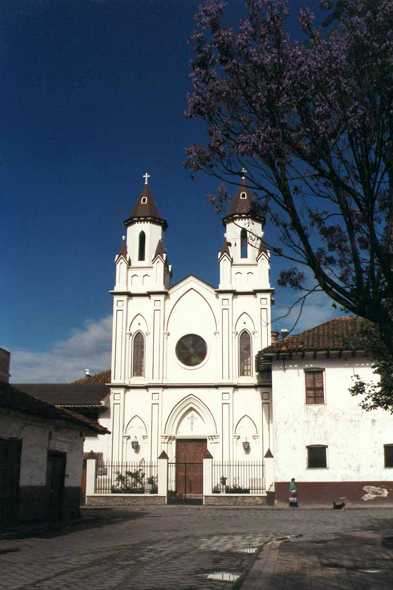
(123, 249)
(243, 204)
(225, 249)
(262, 247)
(145, 208)
(159, 250)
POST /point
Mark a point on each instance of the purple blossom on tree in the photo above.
(312, 122)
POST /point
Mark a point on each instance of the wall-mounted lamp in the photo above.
(135, 444)
(246, 446)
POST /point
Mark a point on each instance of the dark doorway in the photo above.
(10, 454)
(186, 474)
(55, 482)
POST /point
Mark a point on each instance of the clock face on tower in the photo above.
(191, 350)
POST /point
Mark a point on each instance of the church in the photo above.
(183, 375)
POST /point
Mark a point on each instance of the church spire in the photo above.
(243, 205)
(145, 209)
(244, 260)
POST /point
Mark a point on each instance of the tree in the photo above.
(312, 122)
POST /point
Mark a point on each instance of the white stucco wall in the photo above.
(37, 439)
(354, 437)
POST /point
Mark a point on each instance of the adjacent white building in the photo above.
(335, 450)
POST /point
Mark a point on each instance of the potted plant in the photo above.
(223, 482)
(152, 484)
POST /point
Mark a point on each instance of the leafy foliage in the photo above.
(312, 122)
(377, 394)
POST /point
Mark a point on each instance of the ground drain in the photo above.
(223, 576)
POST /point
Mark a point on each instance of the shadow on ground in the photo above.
(88, 520)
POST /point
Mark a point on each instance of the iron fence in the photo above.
(185, 482)
(127, 478)
(238, 477)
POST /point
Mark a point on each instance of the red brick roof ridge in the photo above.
(330, 335)
(101, 377)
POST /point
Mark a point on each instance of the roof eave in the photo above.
(156, 220)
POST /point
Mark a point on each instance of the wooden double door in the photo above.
(189, 469)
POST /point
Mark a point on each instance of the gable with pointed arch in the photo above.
(183, 408)
(189, 300)
(138, 323)
(244, 322)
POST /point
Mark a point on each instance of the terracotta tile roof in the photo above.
(339, 334)
(67, 394)
(145, 207)
(103, 377)
(12, 398)
(241, 205)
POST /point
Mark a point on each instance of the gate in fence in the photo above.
(185, 483)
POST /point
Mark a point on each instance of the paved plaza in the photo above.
(172, 547)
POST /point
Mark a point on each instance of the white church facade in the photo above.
(183, 356)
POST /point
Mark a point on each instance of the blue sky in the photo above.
(93, 96)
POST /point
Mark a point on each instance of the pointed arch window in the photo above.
(243, 244)
(138, 362)
(245, 354)
(142, 246)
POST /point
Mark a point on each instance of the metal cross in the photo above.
(244, 172)
(146, 176)
(123, 238)
(192, 419)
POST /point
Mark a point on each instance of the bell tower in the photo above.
(244, 259)
(142, 262)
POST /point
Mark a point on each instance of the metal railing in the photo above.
(238, 477)
(127, 478)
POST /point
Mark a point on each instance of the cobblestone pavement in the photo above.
(176, 547)
(344, 561)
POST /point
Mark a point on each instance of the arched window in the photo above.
(245, 354)
(138, 364)
(243, 243)
(142, 246)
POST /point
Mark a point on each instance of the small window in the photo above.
(314, 387)
(243, 195)
(138, 365)
(245, 354)
(144, 200)
(388, 450)
(243, 243)
(142, 246)
(316, 457)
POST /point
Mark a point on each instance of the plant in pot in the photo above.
(223, 482)
(152, 484)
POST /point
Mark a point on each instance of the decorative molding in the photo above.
(167, 438)
(213, 438)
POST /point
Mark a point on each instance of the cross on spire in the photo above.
(146, 177)
(244, 172)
